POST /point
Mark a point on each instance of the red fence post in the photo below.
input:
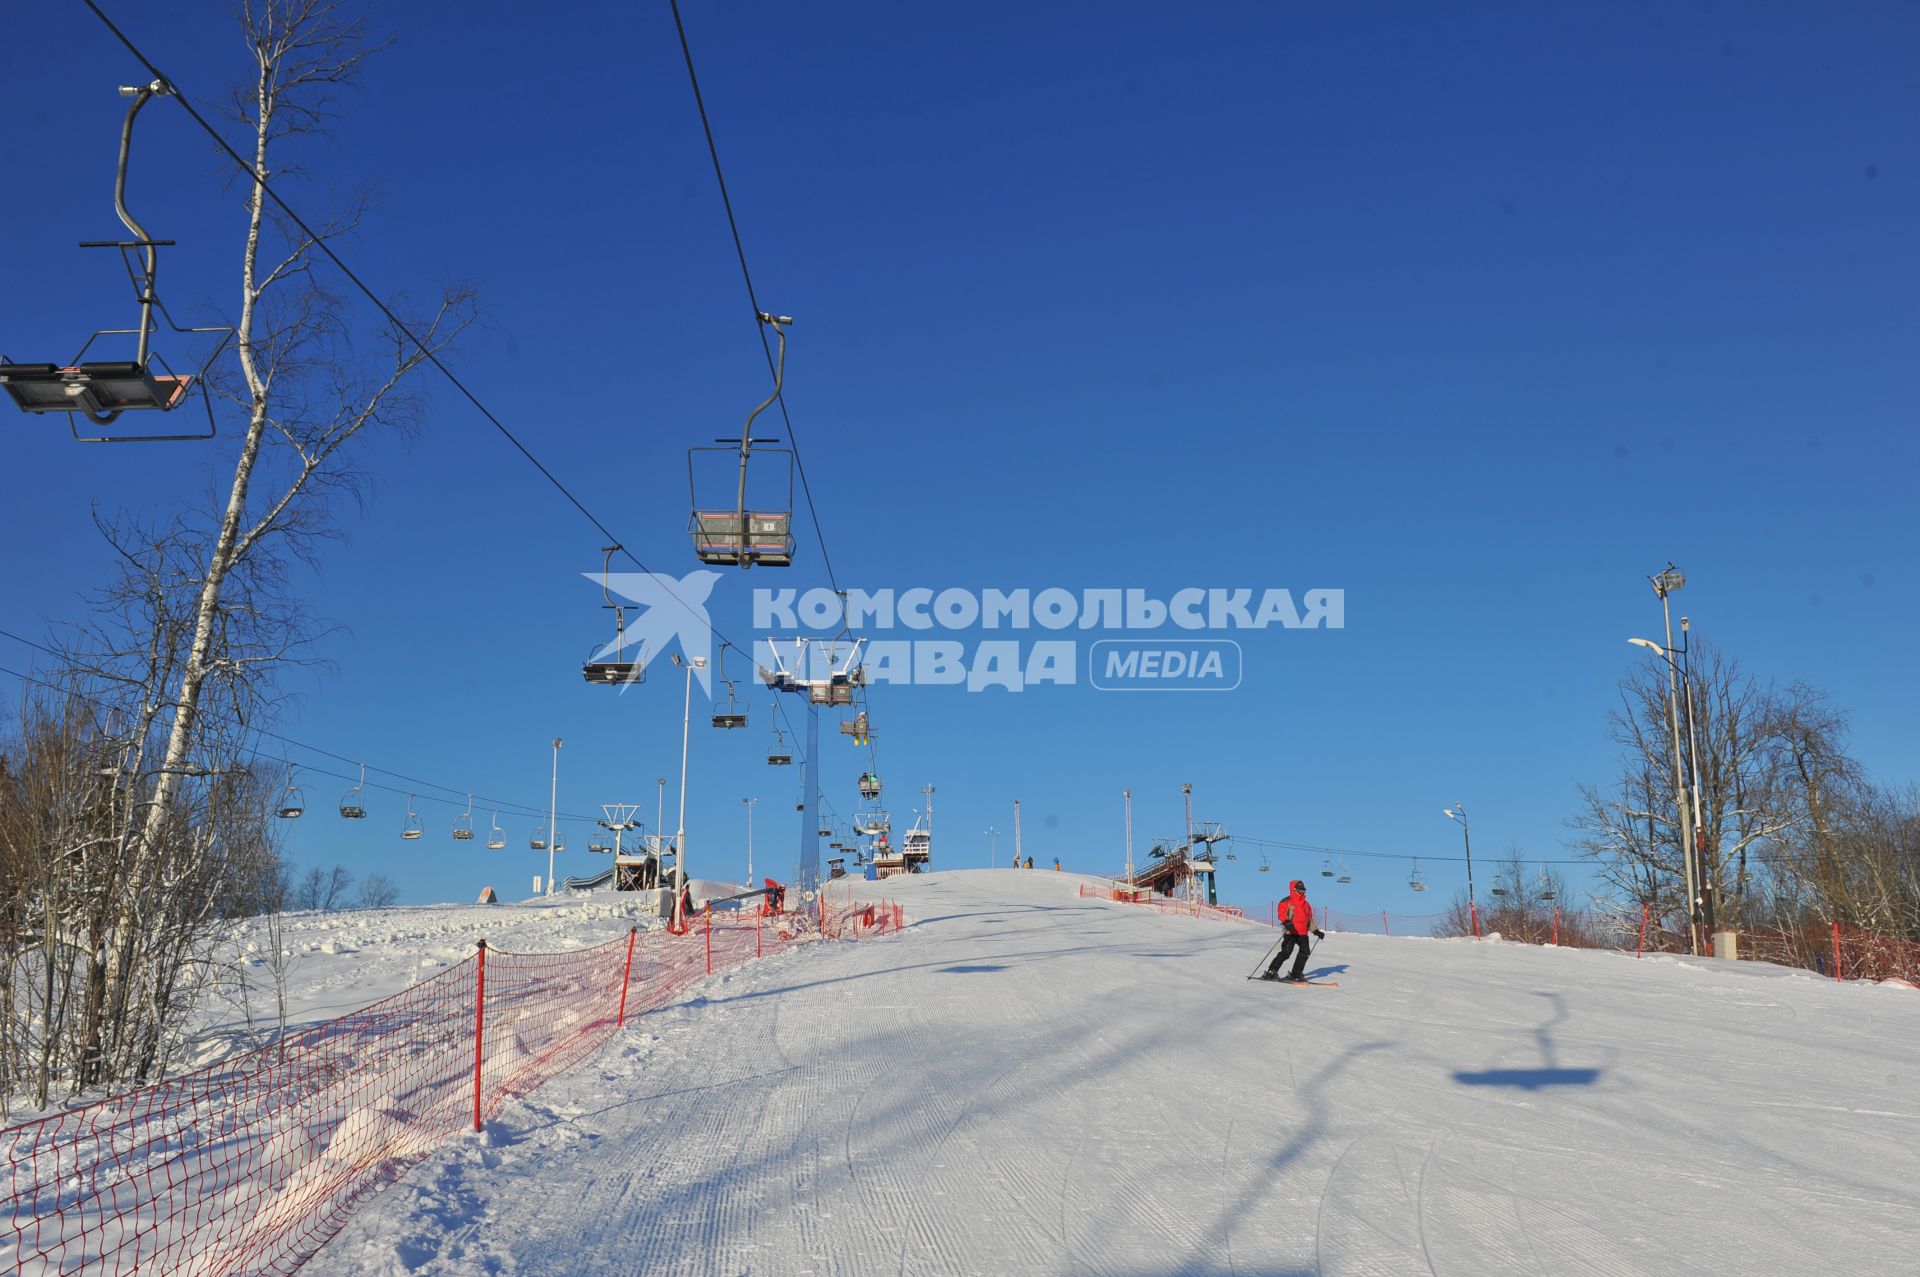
(709, 933)
(1645, 910)
(626, 977)
(1836, 949)
(756, 933)
(1556, 926)
(1475, 911)
(1385, 926)
(479, 1028)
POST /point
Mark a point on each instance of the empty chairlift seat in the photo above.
(97, 389)
(729, 538)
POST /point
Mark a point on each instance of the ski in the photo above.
(1322, 984)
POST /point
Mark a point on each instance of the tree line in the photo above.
(1793, 832)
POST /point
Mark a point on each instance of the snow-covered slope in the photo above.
(1025, 1082)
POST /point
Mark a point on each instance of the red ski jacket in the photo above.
(1296, 915)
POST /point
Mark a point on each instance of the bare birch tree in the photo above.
(181, 658)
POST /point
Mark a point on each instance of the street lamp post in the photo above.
(553, 814)
(686, 733)
(1700, 902)
(1127, 794)
(993, 846)
(1664, 584)
(1703, 864)
(749, 804)
(1459, 812)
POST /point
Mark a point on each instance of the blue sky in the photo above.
(1479, 317)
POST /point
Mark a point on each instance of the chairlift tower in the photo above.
(1209, 833)
(617, 819)
(825, 672)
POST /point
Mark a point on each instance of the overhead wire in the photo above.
(1278, 844)
(415, 785)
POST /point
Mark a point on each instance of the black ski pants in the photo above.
(1287, 946)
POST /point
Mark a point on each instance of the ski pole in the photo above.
(1267, 956)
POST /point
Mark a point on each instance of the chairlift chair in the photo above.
(610, 666)
(497, 837)
(857, 728)
(292, 803)
(1346, 874)
(737, 535)
(411, 829)
(1416, 879)
(1546, 884)
(1264, 867)
(102, 390)
(597, 848)
(735, 714)
(463, 823)
(1326, 867)
(1499, 887)
(353, 803)
(826, 831)
(537, 841)
(869, 786)
(559, 843)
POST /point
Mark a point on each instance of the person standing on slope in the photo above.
(1296, 920)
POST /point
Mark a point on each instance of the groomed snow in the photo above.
(1026, 1082)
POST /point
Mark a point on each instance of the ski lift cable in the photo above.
(1318, 850)
(746, 274)
(506, 805)
(429, 355)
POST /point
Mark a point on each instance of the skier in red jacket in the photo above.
(1296, 920)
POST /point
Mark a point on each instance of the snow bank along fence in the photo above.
(1835, 949)
(1845, 953)
(249, 1166)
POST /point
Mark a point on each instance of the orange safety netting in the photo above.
(1164, 904)
(249, 1166)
